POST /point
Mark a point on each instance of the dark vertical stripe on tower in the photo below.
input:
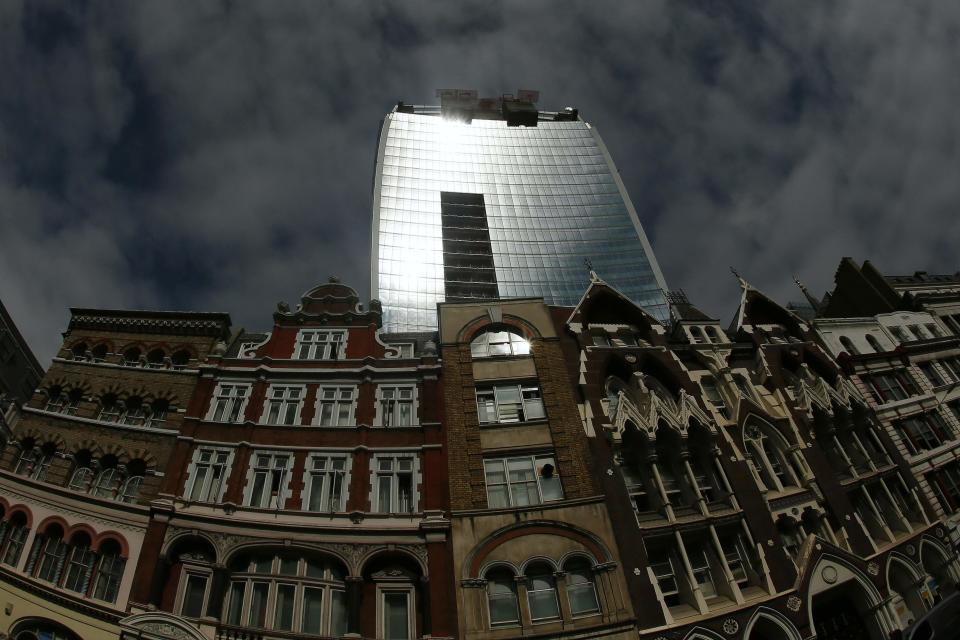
(468, 269)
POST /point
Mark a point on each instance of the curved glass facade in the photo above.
(551, 200)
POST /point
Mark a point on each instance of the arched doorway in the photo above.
(939, 565)
(844, 604)
(770, 626)
(40, 629)
(905, 583)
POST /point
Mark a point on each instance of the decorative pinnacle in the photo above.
(743, 283)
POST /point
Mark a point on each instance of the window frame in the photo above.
(533, 458)
(336, 402)
(514, 342)
(230, 401)
(397, 388)
(285, 401)
(193, 570)
(494, 393)
(192, 473)
(385, 588)
(253, 470)
(309, 472)
(312, 346)
(416, 479)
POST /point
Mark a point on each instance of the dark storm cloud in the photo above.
(219, 155)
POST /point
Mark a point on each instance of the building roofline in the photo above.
(22, 343)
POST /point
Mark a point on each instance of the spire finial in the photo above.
(588, 263)
(743, 283)
(809, 296)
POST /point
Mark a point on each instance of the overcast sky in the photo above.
(219, 155)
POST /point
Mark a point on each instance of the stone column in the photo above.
(354, 600)
(218, 588)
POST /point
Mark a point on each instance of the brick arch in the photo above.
(81, 527)
(6, 507)
(53, 520)
(98, 541)
(397, 551)
(162, 394)
(304, 548)
(548, 527)
(41, 438)
(138, 391)
(87, 444)
(146, 455)
(114, 449)
(508, 322)
(136, 344)
(110, 388)
(189, 348)
(102, 341)
(20, 508)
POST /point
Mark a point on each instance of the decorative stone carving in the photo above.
(873, 569)
(911, 550)
(166, 630)
(730, 626)
(829, 574)
(793, 603)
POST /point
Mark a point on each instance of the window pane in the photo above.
(258, 604)
(312, 610)
(503, 602)
(235, 613)
(338, 613)
(283, 613)
(396, 616)
(580, 591)
(193, 596)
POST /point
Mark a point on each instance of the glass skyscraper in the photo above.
(492, 198)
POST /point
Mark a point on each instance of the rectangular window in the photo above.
(920, 433)
(327, 483)
(663, 570)
(258, 605)
(269, 479)
(930, 372)
(321, 345)
(735, 550)
(16, 539)
(235, 615)
(892, 386)
(521, 481)
(509, 403)
(194, 595)
(952, 364)
(283, 609)
(396, 615)
(283, 405)
(335, 406)
(713, 396)
(394, 484)
(312, 611)
(404, 349)
(51, 559)
(109, 576)
(397, 406)
(208, 477)
(700, 565)
(229, 401)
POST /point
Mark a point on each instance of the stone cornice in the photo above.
(189, 323)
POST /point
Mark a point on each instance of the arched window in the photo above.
(180, 359)
(73, 402)
(42, 630)
(265, 587)
(848, 345)
(99, 353)
(499, 343)
(542, 592)
(874, 343)
(108, 479)
(712, 332)
(615, 386)
(82, 474)
(79, 351)
(664, 395)
(768, 451)
(130, 490)
(15, 538)
(79, 566)
(109, 408)
(158, 413)
(33, 460)
(696, 335)
(48, 554)
(668, 464)
(131, 357)
(56, 399)
(155, 359)
(502, 597)
(133, 411)
(581, 591)
(109, 571)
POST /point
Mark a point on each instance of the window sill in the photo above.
(524, 423)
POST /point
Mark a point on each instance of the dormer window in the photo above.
(499, 343)
(697, 336)
(713, 334)
(321, 345)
